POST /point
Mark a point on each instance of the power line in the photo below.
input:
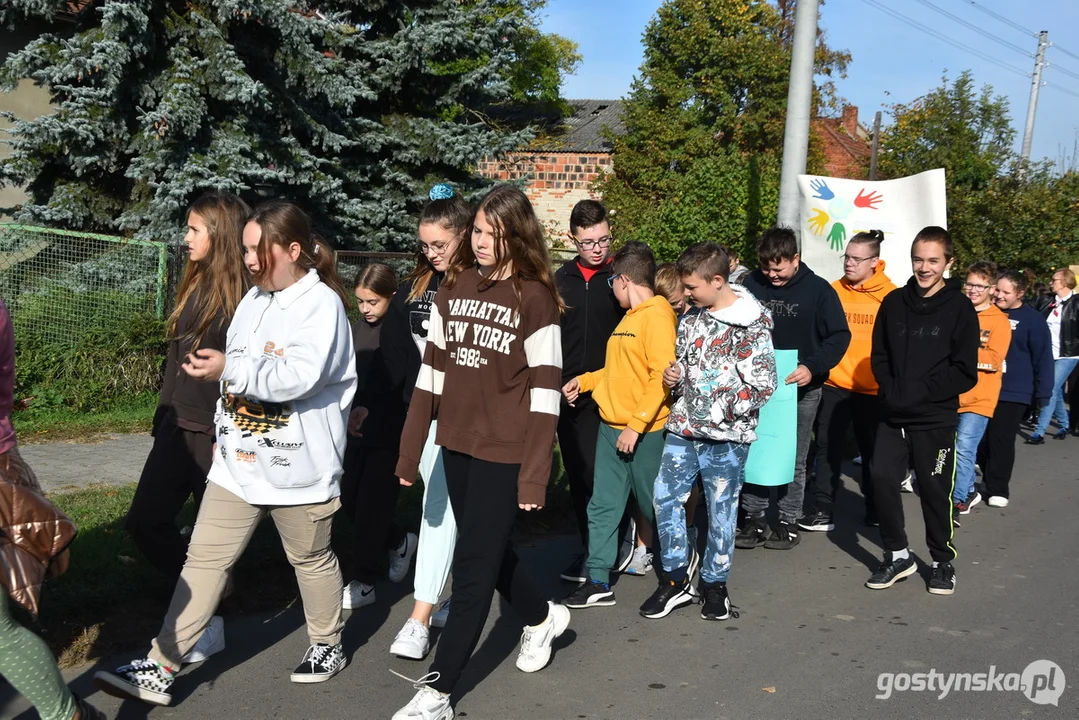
(1066, 71)
(919, 26)
(976, 28)
(1062, 89)
(1001, 18)
(1066, 52)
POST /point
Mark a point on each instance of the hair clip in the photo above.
(442, 191)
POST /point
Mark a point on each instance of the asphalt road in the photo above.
(811, 641)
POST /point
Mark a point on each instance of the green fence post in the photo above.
(162, 279)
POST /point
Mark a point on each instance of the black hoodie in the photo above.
(925, 353)
(591, 316)
(808, 318)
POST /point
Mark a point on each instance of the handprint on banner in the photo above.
(821, 188)
(867, 200)
(830, 222)
(837, 236)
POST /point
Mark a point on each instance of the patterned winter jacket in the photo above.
(728, 371)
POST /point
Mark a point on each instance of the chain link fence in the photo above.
(350, 262)
(58, 284)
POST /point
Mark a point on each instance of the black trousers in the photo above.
(999, 446)
(369, 492)
(838, 408)
(578, 430)
(932, 453)
(175, 470)
(484, 499)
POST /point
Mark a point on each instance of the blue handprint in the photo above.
(821, 188)
(837, 236)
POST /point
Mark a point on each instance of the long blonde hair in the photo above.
(217, 283)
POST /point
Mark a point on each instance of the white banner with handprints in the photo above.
(835, 209)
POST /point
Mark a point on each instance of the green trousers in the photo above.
(615, 476)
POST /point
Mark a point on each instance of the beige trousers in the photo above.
(222, 531)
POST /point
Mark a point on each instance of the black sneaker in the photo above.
(715, 602)
(320, 663)
(575, 572)
(870, 520)
(819, 521)
(591, 594)
(626, 548)
(1061, 435)
(890, 572)
(942, 581)
(1035, 440)
(668, 596)
(784, 537)
(88, 711)
(753, 533)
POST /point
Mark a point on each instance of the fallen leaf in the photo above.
(770, 690)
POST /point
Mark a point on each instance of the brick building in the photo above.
(561, 167)
(846, 144)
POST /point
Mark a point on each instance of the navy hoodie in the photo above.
(925, 354)
(1028, 367)
(808, 318)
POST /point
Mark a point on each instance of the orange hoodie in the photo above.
(996, 338)
(861, 305)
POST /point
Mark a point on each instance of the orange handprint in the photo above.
(867, 200)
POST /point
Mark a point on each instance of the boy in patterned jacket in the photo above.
(724, 372)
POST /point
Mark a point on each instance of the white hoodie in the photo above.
(290, 374)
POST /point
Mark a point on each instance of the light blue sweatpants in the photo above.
(438, 528)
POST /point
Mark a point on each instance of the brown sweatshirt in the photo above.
(491, 374)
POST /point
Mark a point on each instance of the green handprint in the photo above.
(818, 221)
(837, 236)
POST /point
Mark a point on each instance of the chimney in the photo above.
(850, 120)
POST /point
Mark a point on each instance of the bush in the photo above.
(85, 362)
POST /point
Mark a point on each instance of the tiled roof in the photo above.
(833, 127)
(583, 131)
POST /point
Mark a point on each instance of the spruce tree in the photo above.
(351, 109)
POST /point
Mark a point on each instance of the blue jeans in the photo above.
(1062, 368)
(722, 468)
(967, 437)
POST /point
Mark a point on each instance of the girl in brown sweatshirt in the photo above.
(491, 373)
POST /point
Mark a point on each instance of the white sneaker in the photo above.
(401, 557)
(907, 485)
(440, 616)
(427, 703)
(212, 641)
(997, 501)
(412, 642)
(536, 640)
(357, 595)
(641, 562)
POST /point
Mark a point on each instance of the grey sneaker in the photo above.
(413, 642)
(401, 557)
(641, 562)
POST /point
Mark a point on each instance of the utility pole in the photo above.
(876, 147)
(799, 107)
(1035, 87)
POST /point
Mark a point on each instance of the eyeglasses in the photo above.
(433, 249)
(611, 279)
(850, 259)
(602, 242)
(975, 287)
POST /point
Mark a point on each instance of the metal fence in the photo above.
(59, 284)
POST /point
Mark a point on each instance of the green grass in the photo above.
(111, 600)
(58, 424)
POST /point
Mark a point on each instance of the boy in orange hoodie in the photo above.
(633, 405)
(977, 405)
(850, 392)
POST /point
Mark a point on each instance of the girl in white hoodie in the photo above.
(287, 379)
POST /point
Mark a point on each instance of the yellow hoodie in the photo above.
(629, 387)
(860, 305)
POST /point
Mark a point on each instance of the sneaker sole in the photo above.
(603, 601)
(977, 499)
(683, 598)
(637, 572)
(942, 591)
(310, 679)
(818, 528)
(749, 545)
(716, 617)
(357, 606)
(780, 545)
(884, 586)
(408, 653)
(119, 688)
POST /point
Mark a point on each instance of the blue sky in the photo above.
(891, 61)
